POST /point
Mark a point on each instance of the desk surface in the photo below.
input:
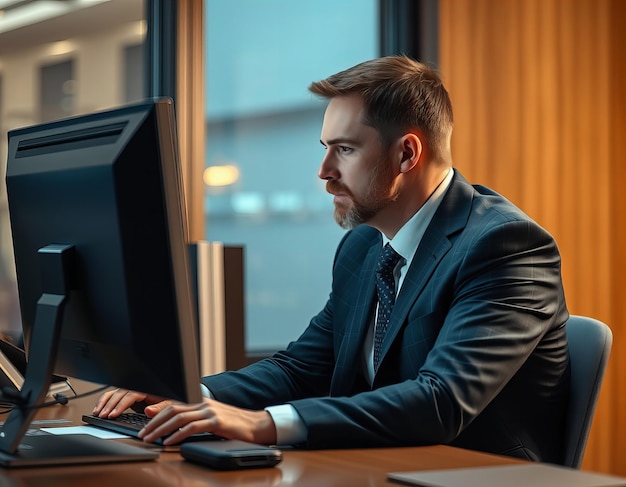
(345, 468)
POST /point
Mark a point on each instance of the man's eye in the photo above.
(345, 149)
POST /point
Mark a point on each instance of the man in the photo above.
(474, 352)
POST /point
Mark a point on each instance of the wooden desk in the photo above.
(345, 468)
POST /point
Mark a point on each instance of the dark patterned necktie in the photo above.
(386, 290)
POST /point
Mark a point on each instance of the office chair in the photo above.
(590, 343)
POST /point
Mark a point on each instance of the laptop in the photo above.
(13, 367)
(523, 475)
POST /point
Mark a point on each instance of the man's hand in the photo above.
(113, 403)
(183, 420)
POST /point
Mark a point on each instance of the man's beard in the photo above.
(378, 196)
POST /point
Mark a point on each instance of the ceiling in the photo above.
(73, 18)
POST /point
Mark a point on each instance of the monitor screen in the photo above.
(101, 250)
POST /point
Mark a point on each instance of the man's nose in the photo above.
(328, 169)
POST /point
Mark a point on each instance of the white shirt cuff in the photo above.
(290, 429)
(206, 392)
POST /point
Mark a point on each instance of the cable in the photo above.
(60, 398)
(11, 395)
(11, 398)
(69, 384)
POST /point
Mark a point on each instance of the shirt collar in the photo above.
(407, 239)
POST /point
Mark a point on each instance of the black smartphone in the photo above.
(230, 454)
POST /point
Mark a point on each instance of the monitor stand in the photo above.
(17, 449)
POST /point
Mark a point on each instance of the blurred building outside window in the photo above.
(263, 150)
(59, 59)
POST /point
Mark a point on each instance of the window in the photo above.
(56, 91)
(61, 60)
(134, 73)
(263, 149)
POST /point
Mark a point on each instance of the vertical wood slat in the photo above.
(190, 110)
(617, 153)
(534, 85)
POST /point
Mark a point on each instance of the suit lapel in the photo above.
(451, 217)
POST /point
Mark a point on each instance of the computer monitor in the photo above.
(101, 251)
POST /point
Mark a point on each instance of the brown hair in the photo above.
(399, 94)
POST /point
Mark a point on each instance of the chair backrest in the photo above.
(589, 342)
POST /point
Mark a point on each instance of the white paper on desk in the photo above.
(525, 475)
(85, 430)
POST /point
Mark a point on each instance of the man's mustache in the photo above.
(335, 187)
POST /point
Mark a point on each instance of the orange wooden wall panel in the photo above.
(537, 87)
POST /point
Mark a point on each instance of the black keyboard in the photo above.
(131, 423)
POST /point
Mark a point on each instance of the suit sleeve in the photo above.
(304, 369)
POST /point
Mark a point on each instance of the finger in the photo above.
(109, 400)
(174, 434)
(154, 409)
(179, 421)
(155, 422)
(119, 402)
(102, 400)
(183, 432)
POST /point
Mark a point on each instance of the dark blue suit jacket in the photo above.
(475, 354)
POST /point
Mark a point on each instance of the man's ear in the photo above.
(412, 148)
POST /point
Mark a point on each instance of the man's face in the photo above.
(356, 168)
